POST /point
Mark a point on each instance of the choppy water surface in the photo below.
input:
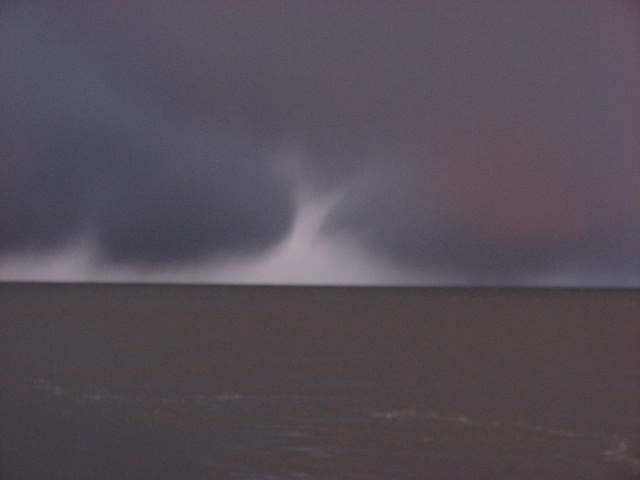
(186, 382)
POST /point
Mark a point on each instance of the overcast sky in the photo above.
(370, 142)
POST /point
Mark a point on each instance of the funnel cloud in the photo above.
(418, 143)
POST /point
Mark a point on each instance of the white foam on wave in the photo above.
(49, 387)
(52, 389)
(314, 451)
(618, 448)
(433, 415)
(556, 432)
(617, 452)
(101, 397)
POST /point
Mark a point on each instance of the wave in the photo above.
(620, 453)
(49, 387)
(52, 389)
(617, 449)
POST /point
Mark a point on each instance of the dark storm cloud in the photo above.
(499, 140)
(82, 154)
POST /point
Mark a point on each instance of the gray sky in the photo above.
(370, 142)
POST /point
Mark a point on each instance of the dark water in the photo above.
(201, 382)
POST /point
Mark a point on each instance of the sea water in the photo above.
(231, 382)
